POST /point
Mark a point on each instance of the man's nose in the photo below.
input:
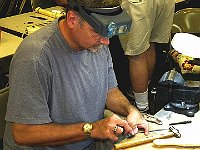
(105, 41)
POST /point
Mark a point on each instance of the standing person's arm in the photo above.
(119, 104)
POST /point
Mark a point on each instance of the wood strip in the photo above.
(176, 142)
(145, 139)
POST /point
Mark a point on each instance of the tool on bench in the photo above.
(129, 142)
(153, 119)
(171, 129)
(181, 122)
(41, 18)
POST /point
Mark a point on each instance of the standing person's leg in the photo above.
(141, 66)
(152, 22)
(141, 69)
(137, 47)
(160, 33)
(151, 59)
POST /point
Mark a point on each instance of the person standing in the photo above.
(151, 23)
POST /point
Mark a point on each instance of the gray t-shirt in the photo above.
(50, 82)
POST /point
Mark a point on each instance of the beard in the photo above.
(95, 48)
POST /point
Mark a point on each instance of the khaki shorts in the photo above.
(151, 22)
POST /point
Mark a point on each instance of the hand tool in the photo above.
(182, 122)
(129, 142)
(41, 18)
(172, 129)
(153, 119)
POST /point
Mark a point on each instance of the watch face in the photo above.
(87, 128)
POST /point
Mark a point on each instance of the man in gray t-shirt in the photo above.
(61, 81)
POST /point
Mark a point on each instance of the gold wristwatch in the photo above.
(87, 128)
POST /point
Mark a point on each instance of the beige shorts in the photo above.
(151, 22)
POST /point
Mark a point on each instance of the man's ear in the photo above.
(72, 19)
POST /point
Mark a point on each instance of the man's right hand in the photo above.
(110, 128)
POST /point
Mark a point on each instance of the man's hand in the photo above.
(110, 128)
(136, 121)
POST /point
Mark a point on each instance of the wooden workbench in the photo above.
(14, 29)
(17, 24)
(8, 44)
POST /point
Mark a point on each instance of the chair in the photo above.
(14, 7)
(3, 104)
(186, 21)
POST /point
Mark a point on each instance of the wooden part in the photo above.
(176, 142)
(48, 13)
(140, 138)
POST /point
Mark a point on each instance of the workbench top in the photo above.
(190, 133)
(8, 44)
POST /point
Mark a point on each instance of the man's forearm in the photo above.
(47, 134)
(118, 103)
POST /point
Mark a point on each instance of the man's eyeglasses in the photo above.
(94, 34)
